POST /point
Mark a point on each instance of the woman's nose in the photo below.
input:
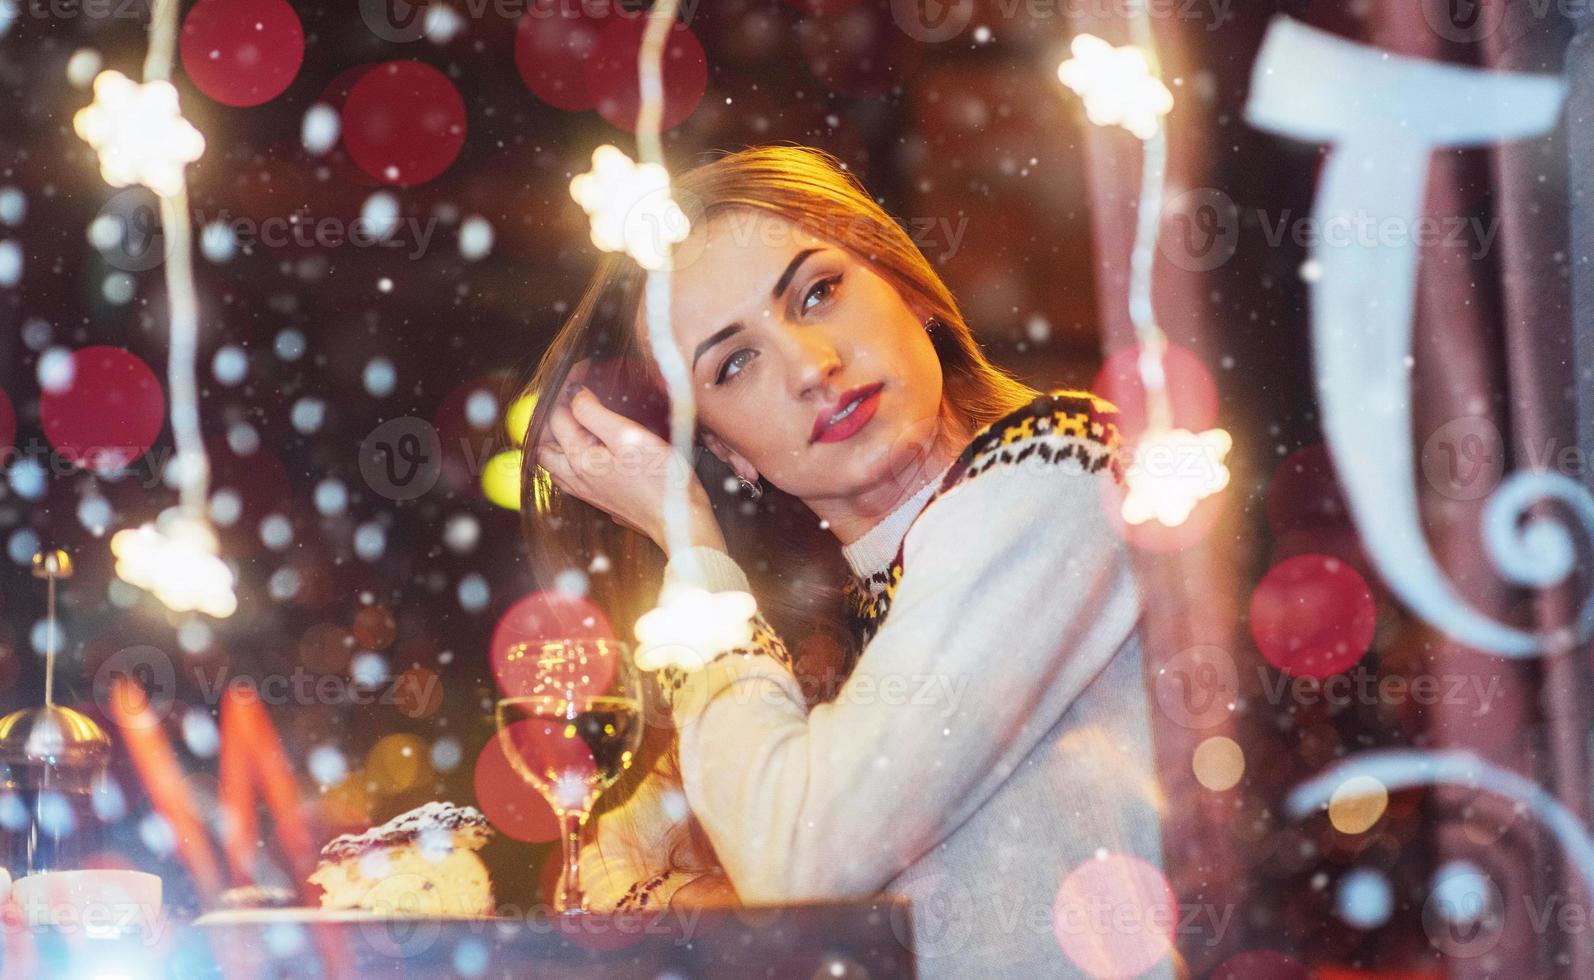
(816, 361)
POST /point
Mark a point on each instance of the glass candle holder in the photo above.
(51, 758)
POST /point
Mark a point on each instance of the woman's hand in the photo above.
(713, 890)
(623, 469)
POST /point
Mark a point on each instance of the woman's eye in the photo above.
(733, 359)
(820, 291)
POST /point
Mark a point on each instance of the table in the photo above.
(849, 941)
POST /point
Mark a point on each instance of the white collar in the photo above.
(874, 551)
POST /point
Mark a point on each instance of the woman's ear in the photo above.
(730, 457)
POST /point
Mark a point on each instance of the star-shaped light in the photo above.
(630, 207)
(1174, 470)
(1117, 85)
(178, 559)
(692, 626)
(139, 133)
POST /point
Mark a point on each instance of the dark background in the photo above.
(970, 133)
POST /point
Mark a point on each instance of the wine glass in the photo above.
(573, 734)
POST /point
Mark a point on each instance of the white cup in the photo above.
(96, 902)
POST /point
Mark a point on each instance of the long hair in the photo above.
(795, 567)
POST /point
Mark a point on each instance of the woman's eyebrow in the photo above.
(717, 336)
(791, 270)
(780, 287)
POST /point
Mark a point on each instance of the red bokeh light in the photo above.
(1312, 616)
(108, 414)
(403, 122)
(612, 79)
(537, 618)
(1304, 493)
(242, 52)
(553, 43)
(260, 481)
(467, 446)
(8, 423)
(513, 805)
(1191, 390)
(1114, 916)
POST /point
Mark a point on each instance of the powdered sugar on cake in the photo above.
(413, 827)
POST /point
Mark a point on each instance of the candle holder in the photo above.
(50, 760)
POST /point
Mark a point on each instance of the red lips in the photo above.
(846, 398)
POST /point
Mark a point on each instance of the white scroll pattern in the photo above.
(1384, 116)
(1397, 769)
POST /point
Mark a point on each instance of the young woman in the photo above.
(978, 729)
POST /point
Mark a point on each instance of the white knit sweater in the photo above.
(992, 736)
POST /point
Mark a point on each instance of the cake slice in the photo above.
(420, 863)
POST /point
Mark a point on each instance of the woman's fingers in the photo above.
(614, 429)
(571, 435)
(557, 464)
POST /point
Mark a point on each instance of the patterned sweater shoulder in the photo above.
(1063, 428)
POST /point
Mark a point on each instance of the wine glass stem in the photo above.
(574, 900)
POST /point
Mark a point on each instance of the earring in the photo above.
(753, 488)
(930, 323)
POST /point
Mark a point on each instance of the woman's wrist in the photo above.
(703, 528)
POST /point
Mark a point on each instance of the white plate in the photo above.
(240, 917)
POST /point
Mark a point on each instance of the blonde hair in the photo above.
(795, 566)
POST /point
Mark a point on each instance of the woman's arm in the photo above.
(1015, 592)
(627, 863)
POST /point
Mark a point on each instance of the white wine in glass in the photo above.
(573, 734)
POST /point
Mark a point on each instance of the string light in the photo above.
(1118, 85)
(139, 133)
(691, 627)
(1172, 469)
(632, 211)
(177, 559)
(141, 137)
(630, 207)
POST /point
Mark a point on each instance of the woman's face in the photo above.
(779, 330)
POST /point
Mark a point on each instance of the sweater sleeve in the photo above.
(1015, 592)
